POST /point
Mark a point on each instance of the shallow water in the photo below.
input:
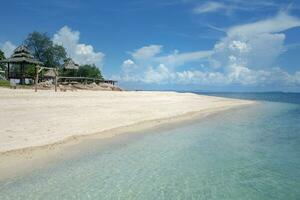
(248, 153)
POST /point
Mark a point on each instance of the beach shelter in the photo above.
(17, 63)
(71, 66)
(50, 74)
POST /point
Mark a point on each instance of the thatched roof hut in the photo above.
(50, 74)
(20, 58)
(70, 64)
(21, 55)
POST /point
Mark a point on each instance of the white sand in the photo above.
(29, 119)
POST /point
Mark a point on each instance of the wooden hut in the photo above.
(17, 63)
(70, 64)
(70, 68)
(50, 74)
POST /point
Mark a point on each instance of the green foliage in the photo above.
(2, 55)
(90, 71)
(55, 56)
(30, 70)
(4, 83)
(2, 67)
(43, 49)
(68, 72)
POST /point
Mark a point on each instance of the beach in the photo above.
(39, 129)
(189, 146)
(31, 119)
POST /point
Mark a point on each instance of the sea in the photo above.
(246, 153)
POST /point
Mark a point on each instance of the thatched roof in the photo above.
(50, 73)
(70, 64)
(21, 55)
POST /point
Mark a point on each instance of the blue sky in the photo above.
(230, 45)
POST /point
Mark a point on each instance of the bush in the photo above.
(30, 70)
(4, 83)
(90, 71)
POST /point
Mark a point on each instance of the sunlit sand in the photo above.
(31, 119)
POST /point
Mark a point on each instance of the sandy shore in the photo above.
(41, 129)
(31, 119)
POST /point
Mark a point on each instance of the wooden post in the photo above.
(37, 69)
(56, 77)
(22, 74)
(8, 72)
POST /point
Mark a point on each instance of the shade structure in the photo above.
(50, 73)
(20, 58)
(21, 55)
(70, 64)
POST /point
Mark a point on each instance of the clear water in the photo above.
(249, 153)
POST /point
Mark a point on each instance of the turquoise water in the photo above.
(248, 153)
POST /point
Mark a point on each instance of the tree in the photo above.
(2, 56)
(90, 71)
(43, 49)
(30, 70)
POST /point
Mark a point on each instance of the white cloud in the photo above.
(147, 65)
(128, 64)
(129, 70)
(297, 77)
(8, 48)
(149, 55)
(178, 59)
(259, 51)
(248, 53)
(209, 7)
(229, 6)
(239, 46)
(246, 56)
(200, 78)
(254, 46)
(279, 23)
(159, 75)
(146, 52)
(236, 75)
(80, 53)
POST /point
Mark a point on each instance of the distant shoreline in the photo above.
(164, 107)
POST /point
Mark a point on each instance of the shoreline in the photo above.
(140, 126)
(25, 161)
(168, 107)
(38, 119)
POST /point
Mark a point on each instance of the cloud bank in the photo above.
(245, 56)
(79, 52)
